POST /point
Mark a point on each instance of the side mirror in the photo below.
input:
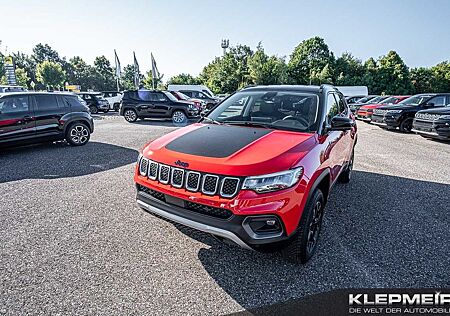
(341, 123)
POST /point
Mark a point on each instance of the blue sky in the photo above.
(185, 35)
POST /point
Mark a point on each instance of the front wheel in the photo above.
(304, 243)
(130, 115)
(406, 125)
(179, 117)
(93, 109)
(347, 173)
(78, 134)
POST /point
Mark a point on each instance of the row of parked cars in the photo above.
(426, 114)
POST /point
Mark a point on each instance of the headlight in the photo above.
(394, 111)
(274, 181)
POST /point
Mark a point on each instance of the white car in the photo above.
(114, 98)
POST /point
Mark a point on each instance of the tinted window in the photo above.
(159, 97)
(46, 102)
(188, 93)
(14, 104)
(342, 108)
(72, 101)
(438, 101)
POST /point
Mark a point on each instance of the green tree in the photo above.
(393, 75)
(422, 79)
(349, 71)
(147, 81)
(50, 74)
(22, 77)
(183, 79)
(310, 57)
(105, 76)
(265, 70)
(43, 52)
(370, 77)
(441, 77)
(26, 63)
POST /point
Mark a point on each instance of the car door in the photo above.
(161, 104)
(16, 120)
(48, 113)
(335, 141)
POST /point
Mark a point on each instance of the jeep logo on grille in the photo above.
(181, 163)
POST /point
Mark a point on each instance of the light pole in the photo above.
(225, 44)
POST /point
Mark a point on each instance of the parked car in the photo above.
(7, 88)
(95, 101)
(257, 170)
(191, 87)
(142, 104)
(366, 100)
(33, 117)
(200, 104)
(365, 112)
(401, 115)
(353, 90)
(433, 123)
(113, 98)
(197, 92)
(354, 98)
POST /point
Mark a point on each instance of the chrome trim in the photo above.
(171, 178)
(140, 167)
(377, 123)
(198, 182)
(203, 184)
(159, 174)
(235, 191)
(199, 226)
(157, 170)
(418, 131)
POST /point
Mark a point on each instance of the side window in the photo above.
(14, 105)
(438, 101)
(342, 108)
(188, 93)
(72, 101)
(160, 97)
(46, 102)
(332, 107)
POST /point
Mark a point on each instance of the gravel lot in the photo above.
(73, 240)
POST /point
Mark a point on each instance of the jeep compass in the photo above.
(257, 170)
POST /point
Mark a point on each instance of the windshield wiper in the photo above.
(205, 118)
(248, 123)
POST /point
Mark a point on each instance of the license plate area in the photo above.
(175, 201)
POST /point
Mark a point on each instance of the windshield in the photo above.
(377, 99)
(170, 96)
(182, 96)
(272, 109)
(415, 100)
(366, 99)
(390, 100)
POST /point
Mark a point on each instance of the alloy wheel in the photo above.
(130, 115)
(314, 227)
(79, 134)
(178, 117)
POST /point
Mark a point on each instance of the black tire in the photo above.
(78, 134)
(179, 117)
(130, 115)
(346, 175)
(116, 107)
(93, 109)
(303, 244)
(406, 125)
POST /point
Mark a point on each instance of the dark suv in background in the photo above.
(32, 117)
(209, 101)
(95, 101)
(433, 123)
(401, 115)
(142, 104)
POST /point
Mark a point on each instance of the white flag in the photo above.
(136, 72)
(118, 70)
(155, 72)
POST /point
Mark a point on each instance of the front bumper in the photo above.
(367, 117)
(434, 129)
(387, 120)
(236, 228)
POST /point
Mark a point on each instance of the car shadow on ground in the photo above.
(59, 160)
(379, 231)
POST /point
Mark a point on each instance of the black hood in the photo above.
(441, 111)
(216, 141)
(399, 107)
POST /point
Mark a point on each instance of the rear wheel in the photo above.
(78, 134)
(179, 117)
(93, 109)
(406, 125)
(304, 243)
(130, 115)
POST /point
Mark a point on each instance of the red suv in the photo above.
(257, 170)
(365, 112)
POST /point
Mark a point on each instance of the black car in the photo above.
(433, 123)
(95, 101)
(401, 115)
(156, 104)
(363, 101)
(32, 117)
(210, 101)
